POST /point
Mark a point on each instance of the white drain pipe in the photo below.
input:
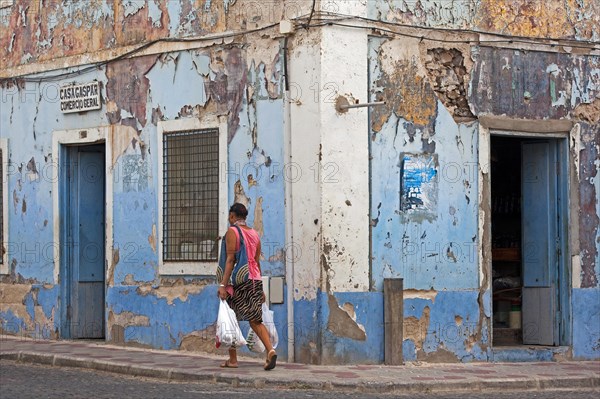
(289, 236)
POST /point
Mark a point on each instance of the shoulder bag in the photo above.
(240, 273)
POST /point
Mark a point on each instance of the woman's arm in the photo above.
(230, 245)
(257, 257)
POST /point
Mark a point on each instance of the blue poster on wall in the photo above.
(419, 184)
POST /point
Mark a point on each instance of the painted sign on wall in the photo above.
(79, 98)
(418, 184)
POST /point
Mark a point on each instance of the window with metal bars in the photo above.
(190, 195)
(1, 207)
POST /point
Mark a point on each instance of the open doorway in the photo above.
(529, 284)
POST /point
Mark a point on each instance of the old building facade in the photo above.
(454, 145)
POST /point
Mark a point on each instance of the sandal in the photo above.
(229, 365)
(271, 360)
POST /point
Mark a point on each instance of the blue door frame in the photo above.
(82, 241)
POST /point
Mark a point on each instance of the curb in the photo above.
(168, 374)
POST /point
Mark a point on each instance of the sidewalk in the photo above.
(410, 378)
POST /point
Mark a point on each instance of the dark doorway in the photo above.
(527, 184)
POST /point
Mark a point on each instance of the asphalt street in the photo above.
(37, 381)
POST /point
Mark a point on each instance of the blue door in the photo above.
(85, 242)
(540, 242)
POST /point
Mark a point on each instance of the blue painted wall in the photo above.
(586, 323)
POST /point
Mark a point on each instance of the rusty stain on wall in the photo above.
(278, 256)
(588, 112)
(406, 93)
(441, 355)
(541, 18)
(118, 322)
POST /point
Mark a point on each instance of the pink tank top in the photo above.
(251, 239)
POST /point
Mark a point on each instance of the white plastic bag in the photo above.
(228, 329)
(268, 321)
(254, 343)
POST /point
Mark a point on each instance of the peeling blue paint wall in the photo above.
(167, 323)
(255, 149)
(438, 252)
(137, 311)
(435, 249)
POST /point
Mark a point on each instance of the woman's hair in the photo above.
(239, 210)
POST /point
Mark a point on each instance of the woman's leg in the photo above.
(232, 361)
(261, 330)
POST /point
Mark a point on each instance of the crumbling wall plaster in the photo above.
(447, 331)
(342, 321)
(28, 310)
(450, 78)
(172, 290)
(400, 67)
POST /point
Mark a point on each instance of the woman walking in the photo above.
(246, 298)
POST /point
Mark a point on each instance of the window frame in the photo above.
(4, 203)
(192, 268)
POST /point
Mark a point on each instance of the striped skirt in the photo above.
(247, 300)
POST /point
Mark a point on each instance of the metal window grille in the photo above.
(190, 195)
(1, 207)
